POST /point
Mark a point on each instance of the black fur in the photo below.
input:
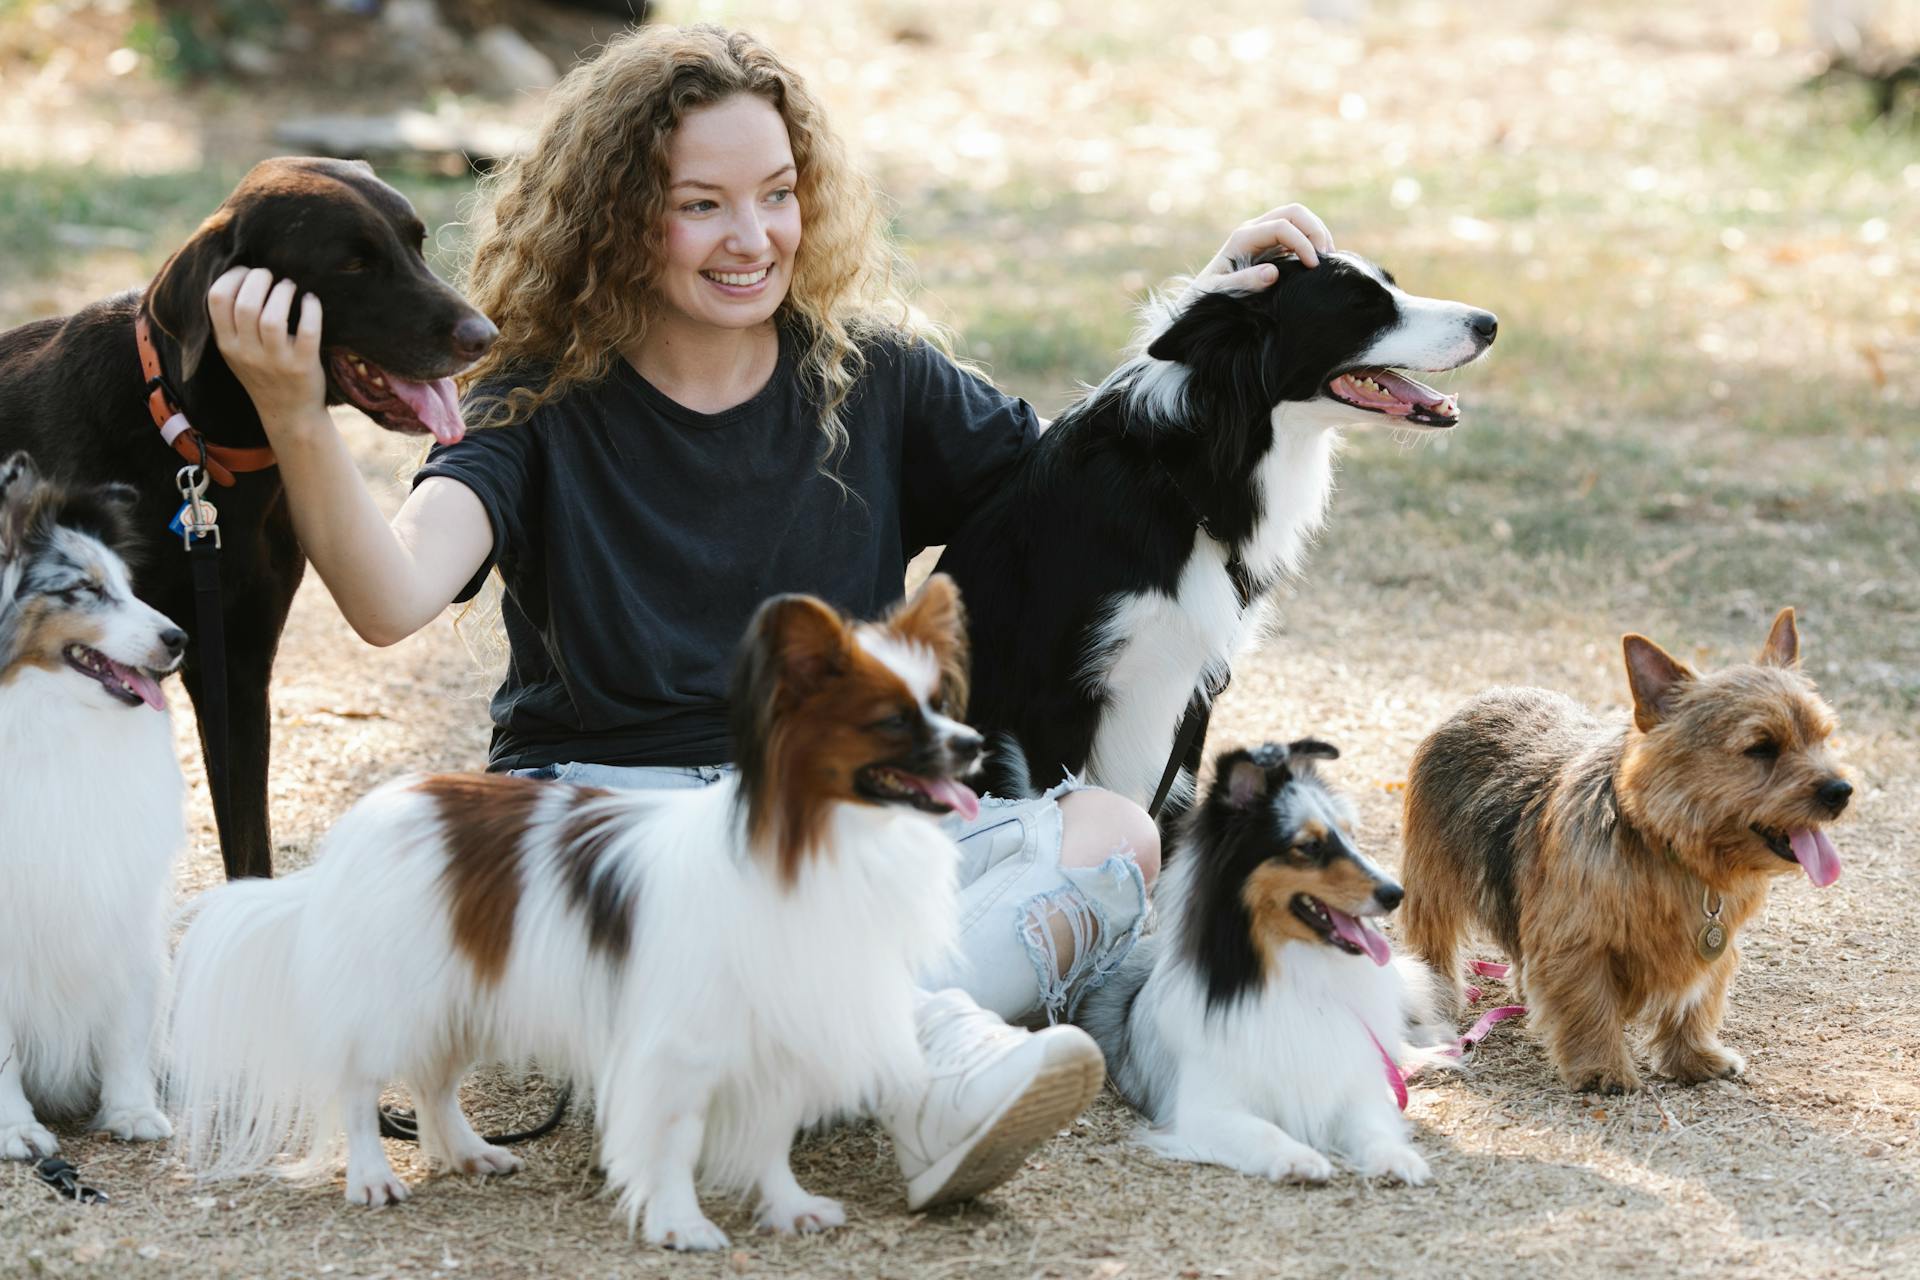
(75, 397)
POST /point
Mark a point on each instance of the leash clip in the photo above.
(198, 518)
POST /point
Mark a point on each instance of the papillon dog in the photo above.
(724, 965)
(1135, 547)
(1264, 1025)
(93, 816)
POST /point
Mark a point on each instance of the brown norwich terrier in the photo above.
(1617, 862)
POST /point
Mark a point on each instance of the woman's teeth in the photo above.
(736, 279)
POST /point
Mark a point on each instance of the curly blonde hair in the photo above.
(570, 236)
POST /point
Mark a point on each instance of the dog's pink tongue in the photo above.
(435, 403)
(957, 796)
(1360, 934)
(141, 683)
(1817, 856)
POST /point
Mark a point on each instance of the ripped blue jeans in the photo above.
(1016, 900)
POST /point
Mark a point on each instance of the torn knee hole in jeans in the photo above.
(1071, 935)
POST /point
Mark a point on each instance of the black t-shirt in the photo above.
(636, 537)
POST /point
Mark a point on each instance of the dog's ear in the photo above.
(1246, 784)
(18, 479)
(1243, 778)
(1782, 648)
(17, 475)
(1312, 749)
(1208, 322)
(177, 298)
(934, 617)
(794, 644)
(1655, 676)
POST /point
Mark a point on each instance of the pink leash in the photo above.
(1397, 1079)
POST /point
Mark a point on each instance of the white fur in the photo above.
(1274, 1084)
(93, 820)
(744, 1008)
(912, 661)
(1157, 649)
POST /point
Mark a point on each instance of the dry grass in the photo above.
(1701, 407)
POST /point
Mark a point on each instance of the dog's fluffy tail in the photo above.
(243, 1079)
(1006, 771)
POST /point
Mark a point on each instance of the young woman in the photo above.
(706, 391)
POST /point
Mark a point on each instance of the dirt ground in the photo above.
(1599, 484)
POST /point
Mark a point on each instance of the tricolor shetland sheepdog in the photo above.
(1134, 548)
(723, 965)
(91, 821)
(1264, 1024)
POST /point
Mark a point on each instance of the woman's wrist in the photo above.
(297, 427)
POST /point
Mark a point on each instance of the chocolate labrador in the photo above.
(78, 395)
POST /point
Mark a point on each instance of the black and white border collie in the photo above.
(92, 818)
(1130, 556)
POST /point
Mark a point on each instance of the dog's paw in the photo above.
(802, 1215)
(26, 1141)
(139, 1122)
(375, 1188)
(1296, 1162)
(689, 1231)
(1402, 1164)
(1697, 1066)
(488, 1159)
(1606, 1080)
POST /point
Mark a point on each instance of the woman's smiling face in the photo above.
(733, 218)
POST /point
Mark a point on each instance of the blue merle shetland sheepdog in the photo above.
(92, 820)
(1262, 1027)
(1134, 549)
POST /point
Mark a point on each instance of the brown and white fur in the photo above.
(1252, 1028)
(1592, 850)
(724, 965)
(91, 821)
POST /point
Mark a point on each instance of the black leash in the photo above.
(64, 1180)
(404, 1126)
(199, 528)
(1190, 739)
(1192, 735)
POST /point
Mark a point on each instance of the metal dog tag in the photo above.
(1711, 941)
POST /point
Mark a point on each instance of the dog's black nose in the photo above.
(1485, 325)
(965, 745)
(1389, 895)
(1834, 793)
(174, 640)
(472, 336)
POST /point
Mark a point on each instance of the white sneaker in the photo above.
(994, 1094)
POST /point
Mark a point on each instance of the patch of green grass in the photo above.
(44, 210)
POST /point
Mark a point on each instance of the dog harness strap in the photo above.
(222, 461)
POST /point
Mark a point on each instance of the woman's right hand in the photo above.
(281, 371)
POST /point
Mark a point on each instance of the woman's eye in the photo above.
(698, 206)
(781, 196)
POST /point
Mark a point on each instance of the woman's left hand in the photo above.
(1292, 227)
